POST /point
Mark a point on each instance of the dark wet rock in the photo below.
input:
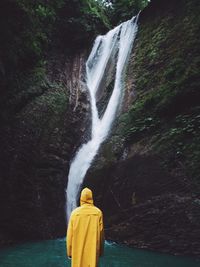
(37, 143)
(165, 228)
(146, 175)
(145, 207)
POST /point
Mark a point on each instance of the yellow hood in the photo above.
(86, 196)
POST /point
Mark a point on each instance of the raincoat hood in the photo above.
(86, 196)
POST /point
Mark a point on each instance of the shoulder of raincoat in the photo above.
(85, 233)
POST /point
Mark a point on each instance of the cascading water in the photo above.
(117, 42)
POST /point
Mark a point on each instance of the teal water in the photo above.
(52, 254)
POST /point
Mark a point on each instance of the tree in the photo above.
(122, 10)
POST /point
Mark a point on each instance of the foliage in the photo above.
(121, 10)
(96, 9)
(180, 143)
(26, 28)
(166, 75)
(30, 28)
(79, 21)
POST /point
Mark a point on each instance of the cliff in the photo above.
(44, 109)
(39, 135)
(146, 176)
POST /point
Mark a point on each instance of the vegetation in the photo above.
(165, 73)
(121, 10)
(30, 31)
(166, 112)
(30, 28)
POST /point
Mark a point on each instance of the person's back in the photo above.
(85, 237)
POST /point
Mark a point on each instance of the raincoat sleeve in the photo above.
(69, 238)
(101, 235)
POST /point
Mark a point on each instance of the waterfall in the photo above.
(116, 43)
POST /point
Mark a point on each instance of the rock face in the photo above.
(146, 176)
(39, 135)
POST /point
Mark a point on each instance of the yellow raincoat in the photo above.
(85, 234)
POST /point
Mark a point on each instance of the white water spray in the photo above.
(118, 42)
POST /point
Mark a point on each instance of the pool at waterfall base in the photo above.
(52, 253)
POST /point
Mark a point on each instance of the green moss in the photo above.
(166, 73)
(56, 101)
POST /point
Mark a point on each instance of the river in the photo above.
(52, 253)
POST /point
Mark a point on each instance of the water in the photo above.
(52, 254)
(117, 43)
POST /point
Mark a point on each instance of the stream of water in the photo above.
(117, 43)
(52, 253)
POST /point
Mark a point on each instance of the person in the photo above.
(85, 233)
